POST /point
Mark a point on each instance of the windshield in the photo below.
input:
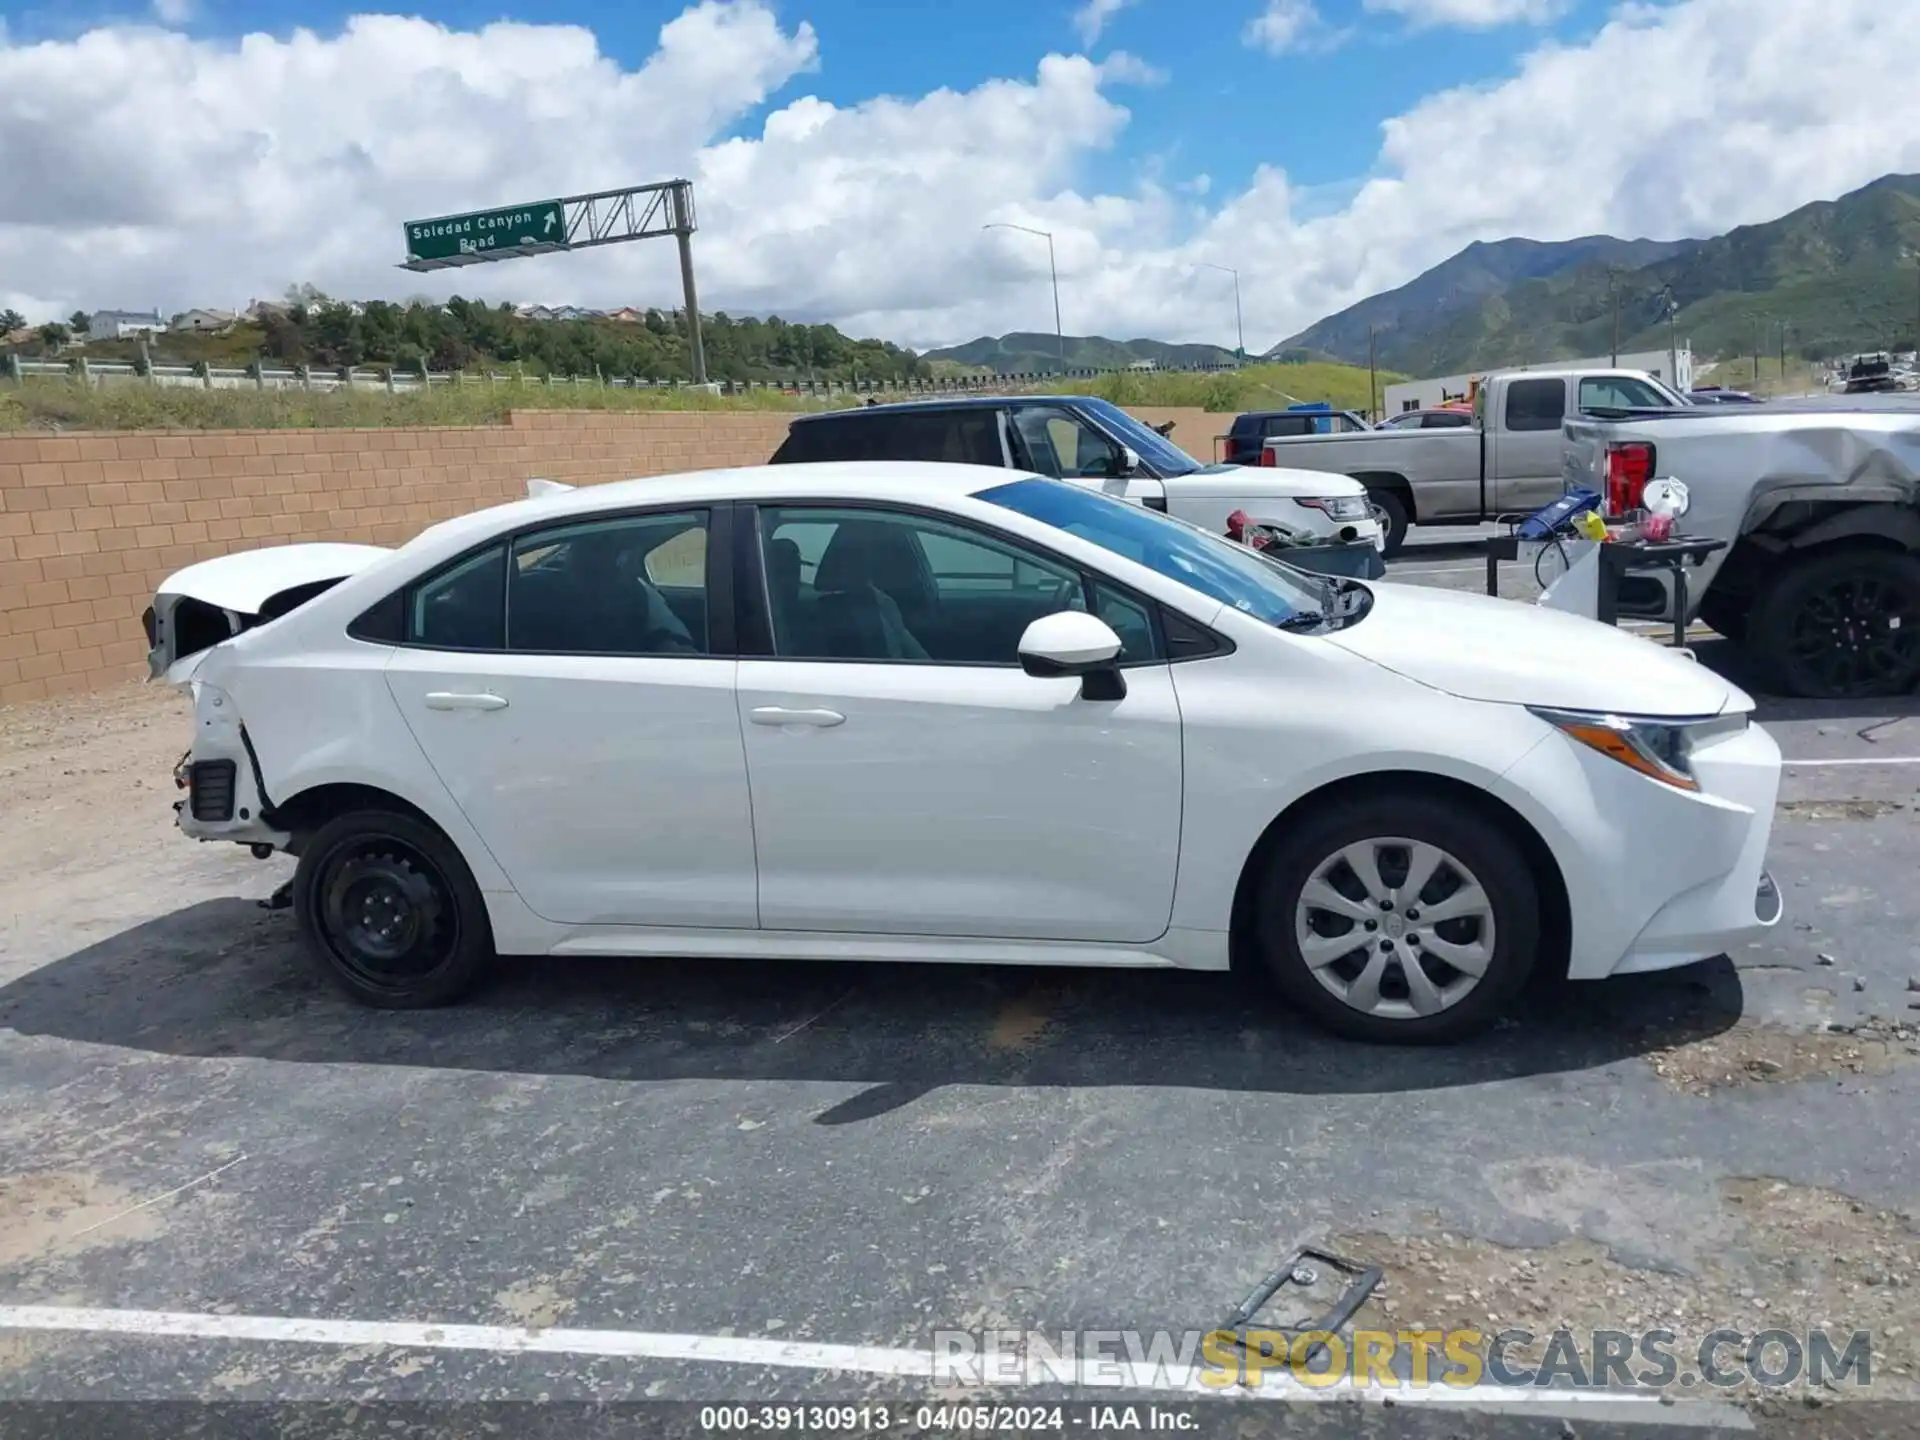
(1215, 566)
(1625, 392)
(1161, 454)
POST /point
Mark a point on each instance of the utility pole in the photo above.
(1373, 379)
(1672, 307)
(1613, 298)
(1059, 335)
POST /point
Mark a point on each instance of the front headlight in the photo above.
(1659, 749)
(1337, 507)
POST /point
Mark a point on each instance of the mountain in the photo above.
(1460, 286)
(1839, 275)
(1023, 353)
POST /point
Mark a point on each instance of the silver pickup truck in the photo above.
(1820, 509)
(1506, 463)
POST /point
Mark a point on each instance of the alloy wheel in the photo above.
(1395, 928)
(1860, 635)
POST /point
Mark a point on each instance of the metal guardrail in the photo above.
(101, 373)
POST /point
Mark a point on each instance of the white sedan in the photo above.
(885, 711)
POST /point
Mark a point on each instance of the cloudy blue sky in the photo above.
(845, 154)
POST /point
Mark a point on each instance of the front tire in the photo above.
(1391, 512)
(391, 911)
(1844, 625)
(1399, 919)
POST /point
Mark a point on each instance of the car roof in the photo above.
(822, 480)
(955, 402)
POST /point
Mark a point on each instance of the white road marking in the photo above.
(1864, 760)
(785, 1355)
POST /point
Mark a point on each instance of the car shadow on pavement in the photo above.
(225, 978)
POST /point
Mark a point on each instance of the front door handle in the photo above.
(780, 715)
(449, 700)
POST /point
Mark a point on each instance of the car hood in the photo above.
(1504, 651)
(1263, 482)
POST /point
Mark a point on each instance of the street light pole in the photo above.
(1239, 330)
(1059, 335)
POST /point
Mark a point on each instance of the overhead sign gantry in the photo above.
(578, 222)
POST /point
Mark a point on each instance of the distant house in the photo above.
(121, 324)
(627, 315)
(1143, 365)
(201, 321)
(534, 312)
(258, 310)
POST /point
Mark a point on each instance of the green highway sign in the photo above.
(488, 234)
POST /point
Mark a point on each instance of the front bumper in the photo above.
(1658, 877)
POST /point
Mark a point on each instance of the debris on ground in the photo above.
(1795, 1258)
(1761, 1053)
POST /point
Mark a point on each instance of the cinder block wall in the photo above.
(90, 523)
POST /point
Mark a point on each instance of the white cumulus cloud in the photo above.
(1092, 17)
(1283, 25)
(148, 167)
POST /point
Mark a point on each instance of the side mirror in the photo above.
(1129, 460)
(1072, 642)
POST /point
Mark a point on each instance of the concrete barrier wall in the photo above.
(90, 523)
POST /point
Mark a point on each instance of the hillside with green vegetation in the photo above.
(472, 335)
(1829, 279)
(1258, 387)
(43, 403)
(1031, 353)
(1456, 289)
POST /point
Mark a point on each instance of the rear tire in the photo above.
(1840, 625)
(391, 911)
(1726, 614)
(1391, 511)
(1346, 873)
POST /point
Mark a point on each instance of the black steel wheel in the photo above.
(1844, 625)
(391, 910)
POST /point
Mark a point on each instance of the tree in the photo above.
(54, 335)
(79, 322)
(11, 320)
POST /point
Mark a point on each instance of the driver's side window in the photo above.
(1063, 445)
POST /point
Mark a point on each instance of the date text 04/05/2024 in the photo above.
(942, 1419)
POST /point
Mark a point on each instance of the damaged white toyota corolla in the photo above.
(937, 713)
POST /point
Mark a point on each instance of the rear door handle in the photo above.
(450, 700)
(780, 715)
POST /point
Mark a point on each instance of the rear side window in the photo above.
(954, 437)
(463, 608)
(1536, 404)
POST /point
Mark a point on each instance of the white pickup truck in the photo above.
(1506, 463)
(1820, 508)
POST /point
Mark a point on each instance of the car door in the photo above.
(572, 687)
(909, 778)
(1524, 458)
(1053, 440)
